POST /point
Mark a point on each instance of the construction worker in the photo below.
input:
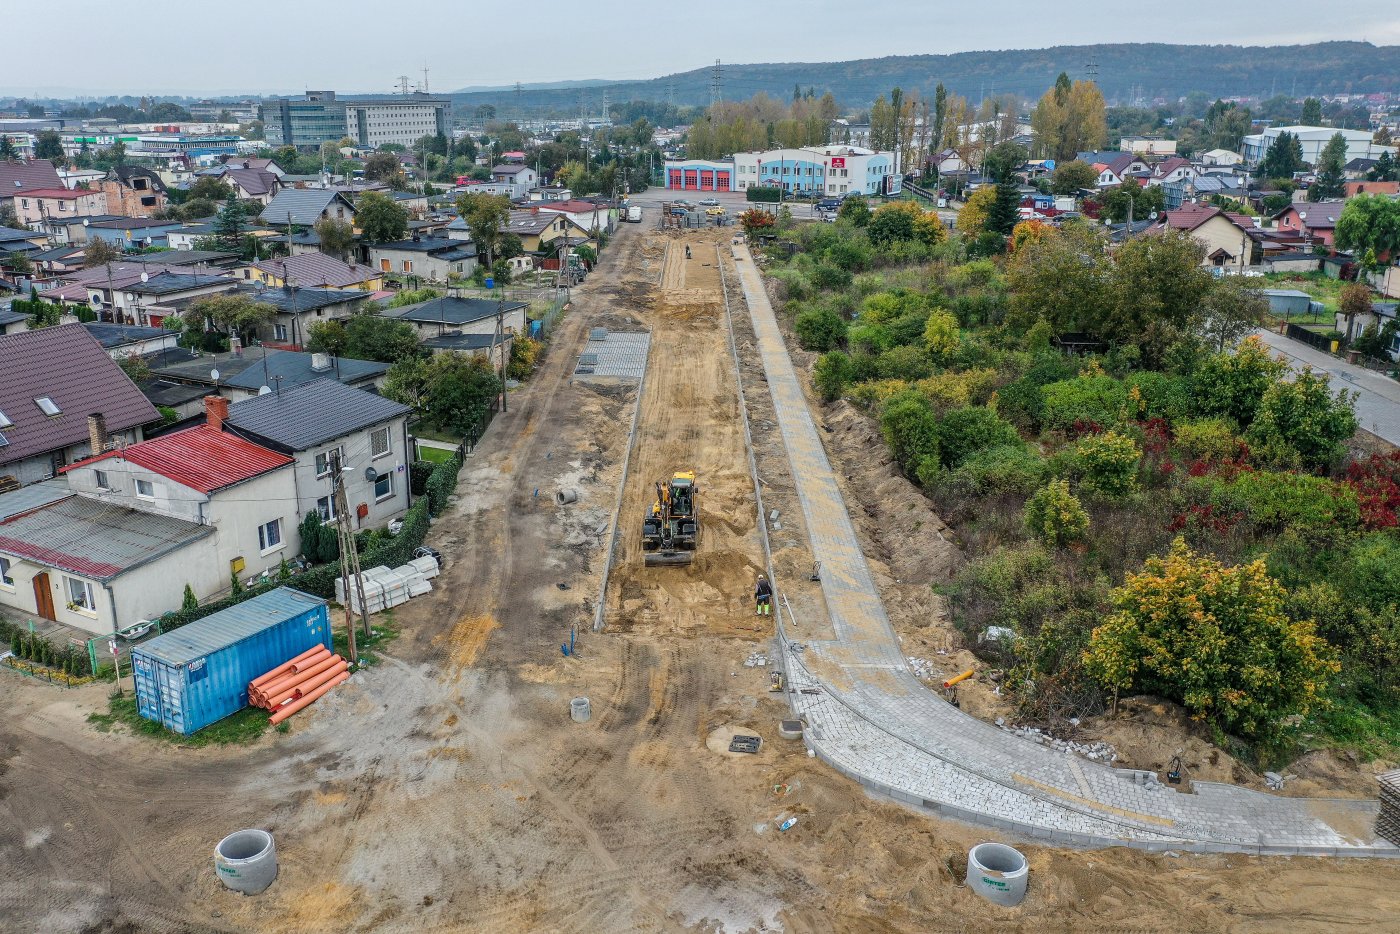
(687, 252)
(763, 597)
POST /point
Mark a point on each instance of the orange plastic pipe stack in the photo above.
(297, 682)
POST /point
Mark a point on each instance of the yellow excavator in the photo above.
(671, 530)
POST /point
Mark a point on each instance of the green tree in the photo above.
(820, 329)
(209, 188)
(388, 340)
(964, 432)
(1233, 308)
(1107, 464)
(1004, 211)
(889, 225)
(380, 218)
(1072, 177)
(1130, 198)
(1001, 162)
(382, 166)
(1214, 638)
(1354, 302)
(1062, 279)
(99, 252)
(1284, 158)
(1303, 420)
(337, 236)
(910, 427)
(326, 337)
(1312, 112)
(190, 601)
(48, 145)
(486, 216)
(856, 210)
(1385, 169)
(1054, 515)
(1233, 385)
(1156, 287)
(832, 373)
(1331, 176)
(228, 313)
(229, 225)
(1369, 223)
(7, 149)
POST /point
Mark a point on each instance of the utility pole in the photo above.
(349, 559)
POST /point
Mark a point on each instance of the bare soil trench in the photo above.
(446, 788)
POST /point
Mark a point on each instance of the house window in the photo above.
(145, 489)
(325, 508)
(48, 406)
(279, 332)
(383, 487)
(407, 266)
(6, 580)
(270, 536)
(102, 483)
(379, 442)
(80, 596)
(323, 461)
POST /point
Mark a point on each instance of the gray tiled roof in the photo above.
(66, 364)
(308, 415)
(452, 311)
(287, 369)
(299, 300)
(303, 204)
(95, 539)
(115, 335)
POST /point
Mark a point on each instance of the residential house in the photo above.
(1200, 187)
(18, 177)
(132, 233)
(243, 374)
(95, 566)
(70, 229)
(82, 178)
(1371, 188)
(519, 178)
(133, 191)
(13, 322)
(217, 259)
(62, 398)
(1148, 145)
(415, 203)
(437, 259)
(137, 293)
(126, 340)
(463, 323)
(537, 230)
(58, 261)
(316, 270)
(1316, 220)
(35, 205)
(312, 422)
(228, 503)
(588, 216)
(298, 308)
(253, 184)
(1228, 239)
(303, 207)
(251, 162)
(1113, 171)
(1172, 169)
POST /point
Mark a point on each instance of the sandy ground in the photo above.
(446, 788)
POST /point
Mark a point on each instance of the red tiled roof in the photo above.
(201, 458)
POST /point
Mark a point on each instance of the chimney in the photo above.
(320, 362)
(215, 411)
(97, 432)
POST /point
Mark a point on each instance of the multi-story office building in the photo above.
(321, 117)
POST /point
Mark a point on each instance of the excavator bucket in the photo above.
(662, 559)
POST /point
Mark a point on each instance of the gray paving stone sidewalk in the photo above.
(873, 720)
(1377, 395)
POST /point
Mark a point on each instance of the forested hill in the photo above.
(1125, 71)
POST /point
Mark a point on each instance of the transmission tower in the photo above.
(425, 77)
(716, 84)
(1091, 71)
(519, 108)
(607, 112)
(403, 85)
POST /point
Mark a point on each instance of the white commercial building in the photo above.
(1313, 140)
(827, 170)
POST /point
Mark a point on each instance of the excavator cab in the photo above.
(671, 529)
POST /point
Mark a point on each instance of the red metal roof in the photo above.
(201, 458)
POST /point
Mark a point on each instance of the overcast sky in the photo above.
(364, 45)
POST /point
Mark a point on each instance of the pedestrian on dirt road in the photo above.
(687, 252)
(763, 597)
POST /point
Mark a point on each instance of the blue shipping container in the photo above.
(192, 676)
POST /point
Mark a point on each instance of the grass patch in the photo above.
(434, 455)
(381, 625)
(432, 434)
(1373, 731)
(245, 726)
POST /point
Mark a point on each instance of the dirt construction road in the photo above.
(446, 789)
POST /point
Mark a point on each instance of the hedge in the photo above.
(321, 580)
(33, 647)
(767, 193)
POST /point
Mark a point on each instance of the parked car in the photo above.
(715, 211)
(829, 204)
(709, 202)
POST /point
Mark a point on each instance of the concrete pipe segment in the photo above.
(246, 861)
(997, 873)
(580, 710)
(565, 497)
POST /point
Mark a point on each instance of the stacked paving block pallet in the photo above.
(1388, 822)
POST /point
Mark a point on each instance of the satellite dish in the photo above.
(371, 474)
(1152, 216)
(214, 375)
(264, 390)
(145, 277)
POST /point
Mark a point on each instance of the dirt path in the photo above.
(446, 789)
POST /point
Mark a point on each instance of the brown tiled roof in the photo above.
(65, 364)
(312, 269)
(26, 176)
